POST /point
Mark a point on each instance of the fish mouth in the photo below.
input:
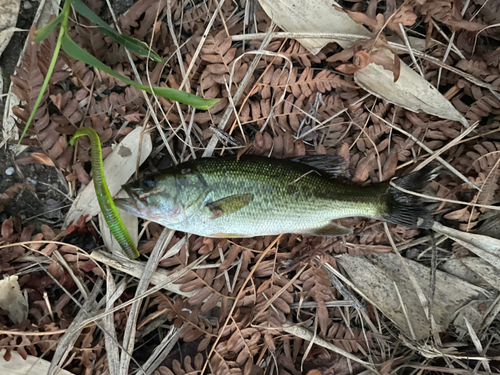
(133, 204)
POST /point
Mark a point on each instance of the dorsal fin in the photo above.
(333, 166)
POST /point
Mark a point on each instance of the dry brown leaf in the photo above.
(11, 193)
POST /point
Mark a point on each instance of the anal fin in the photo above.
(330, 230)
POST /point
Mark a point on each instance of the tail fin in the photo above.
(407, 209)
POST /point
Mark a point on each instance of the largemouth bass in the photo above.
(258, 196)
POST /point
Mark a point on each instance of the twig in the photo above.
(146, 98)
(110, 339)
(67, 341)
(341, 288)
(496, 208)
(410, 50)
(161, 351)
(305, 334)
(421, 144)
(222, 124)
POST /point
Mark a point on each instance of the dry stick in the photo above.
(279, 293)
(341, 288)
(496, 208)
(449, 145)
(146, 98)
(161, 351)
(130, 331)
(94, 320)
(245, 99)
(441, 160)
(284, 89)
(405, 313)
(200, 45)
(307, 335)
(183, 73)
(443, 34)
(477, 344)
(448, 48)
(78, 282)
(213, 141)
(135, 269)
(467, 76)
(410, 50)
(110, 339)
(233, 105)
(353, 38)
(322, 124)
(67, 341)
(338, 275)
(491, 314)
(421, 296)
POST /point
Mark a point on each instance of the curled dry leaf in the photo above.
(37, 157)
(12, 299)
(11, 193)
(447, 12)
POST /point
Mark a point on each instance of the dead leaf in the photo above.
(37, 157)
(11, 193)
(8, 19)
(32, 365)
(485, 247)
(12, 299)
(130, 221)
(377, 282)
(409, 90)
(364, 168)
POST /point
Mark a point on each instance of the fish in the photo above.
(231, 197)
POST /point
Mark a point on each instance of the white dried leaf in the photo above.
(313, 16)
(31, 366)
(411, 91)
(9, 10)
(12, 299)
(377, 282)
(484, 247)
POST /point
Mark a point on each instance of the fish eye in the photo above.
(149, 181)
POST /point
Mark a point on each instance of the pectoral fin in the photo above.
(330, 230)
(228, 205)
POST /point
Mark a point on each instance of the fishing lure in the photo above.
(104, 198)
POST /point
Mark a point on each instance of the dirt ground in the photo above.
(241, 305)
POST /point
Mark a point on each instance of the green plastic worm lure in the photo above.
(104, 198)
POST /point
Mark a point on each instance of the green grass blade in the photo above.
(44, 32)
(185, 97)
(132, 44)
(78, 53)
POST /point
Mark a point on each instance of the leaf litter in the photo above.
(295, 304)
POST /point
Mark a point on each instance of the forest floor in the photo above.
(385, 299)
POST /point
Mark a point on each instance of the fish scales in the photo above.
(287, 198)
(255, 195)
